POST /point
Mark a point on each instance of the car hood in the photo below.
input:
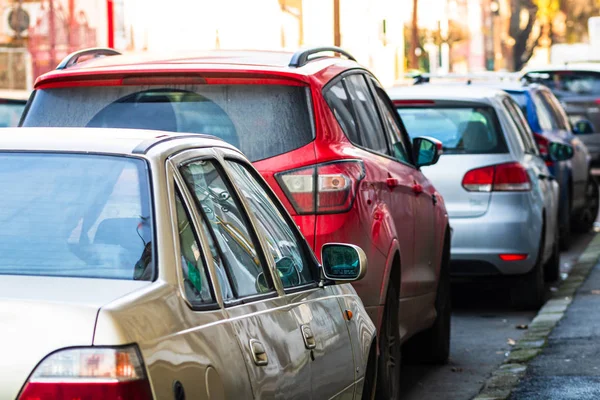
(39, 315)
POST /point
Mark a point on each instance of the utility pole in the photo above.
(414, 37)
(337, 39)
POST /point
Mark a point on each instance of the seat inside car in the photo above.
(475, 137)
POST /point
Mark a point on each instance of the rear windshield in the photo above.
(10, 113)
(462, 130)
(568, 83)
(261, 120)
(75, 215)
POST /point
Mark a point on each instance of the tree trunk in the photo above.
(524, 45)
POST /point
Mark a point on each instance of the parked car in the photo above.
(325, 136)
(12, 104)
(577, 87)
(500, 195)
(158, 265)
(579, 191)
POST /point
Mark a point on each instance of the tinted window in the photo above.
(568, 83)
(462, 130)
(370, 128)
(75, 215)
(339, 102)
(228, 225)
(196, 284)
(262, 121)
(555, 109)
(10, 113)
(284, 245)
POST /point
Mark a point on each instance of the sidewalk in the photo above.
(569, 366)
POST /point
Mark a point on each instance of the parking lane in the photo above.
(483, 328)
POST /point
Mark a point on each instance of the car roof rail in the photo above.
(301, 58)
(73, 58)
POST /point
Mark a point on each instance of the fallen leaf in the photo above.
(522, 326)
(511, 342)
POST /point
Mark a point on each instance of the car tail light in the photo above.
(322, 188)
(544, 147)
(509, 177)
(91, 373)
(513, 257)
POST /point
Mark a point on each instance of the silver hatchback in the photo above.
(501, 198)
(148, 265)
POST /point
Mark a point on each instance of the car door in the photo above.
(322, 322)
(267, 329)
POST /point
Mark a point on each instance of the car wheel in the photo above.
(586, 218)
(565, 228)
(552, 267)
(432, 346)
(529, 290)
(390, 351)
(370, 386)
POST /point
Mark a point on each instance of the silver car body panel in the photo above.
(488, 224)
(207, 351)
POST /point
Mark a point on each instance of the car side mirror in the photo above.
(583, 127)
(426, 151)
(343, 262)
(560, 151)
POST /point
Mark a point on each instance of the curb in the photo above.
(506, 377)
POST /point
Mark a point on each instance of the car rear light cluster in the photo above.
(91, 373)
(544, 147)
(508, 177)
(322, 188)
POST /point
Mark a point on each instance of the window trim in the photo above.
(528, 142)
(248, 219)
(309, 256)
(335, 80)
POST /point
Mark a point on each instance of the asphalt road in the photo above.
(483, 325)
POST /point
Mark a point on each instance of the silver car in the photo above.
(149, 265)
(501, 198)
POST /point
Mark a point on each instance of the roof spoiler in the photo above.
(301, 58)
(94, 52)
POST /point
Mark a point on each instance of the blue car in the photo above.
(579, 192)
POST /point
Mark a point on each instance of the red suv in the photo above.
(326, 137)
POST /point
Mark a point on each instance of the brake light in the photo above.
(509, 177)
(544, 147)
(322, 188)
(91, 373)
(513, 257)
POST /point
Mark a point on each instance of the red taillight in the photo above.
(544, 147)
(509, 177)
(322, 188)
(91, 373)
(513, 257)
(597, 101)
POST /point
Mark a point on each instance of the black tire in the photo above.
(370, 385)
(432, 346)
(552, 267)
(528, 292)
(390, 351)
(565, 228)
(585, 218)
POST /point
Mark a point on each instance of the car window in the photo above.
(555, 109)
(523, 131)
(568, 83)
(462, 130)
(229, 227)
(339, 101)
(10, 113)
(261, 120)
(284, 245)
(75, 215)
(370, 129)
(521, 99)
(545, 117)
(195, 281)
(400, 144)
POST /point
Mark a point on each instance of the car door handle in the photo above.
(417, 189)
(259, 354)
(392, 183)
(434, 199)
(308, 336)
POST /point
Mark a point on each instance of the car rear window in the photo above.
(75, 215)
(462, 130)
(261, 120)
(568, 83)
(10, 113)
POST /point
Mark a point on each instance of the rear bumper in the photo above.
(510, 226)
